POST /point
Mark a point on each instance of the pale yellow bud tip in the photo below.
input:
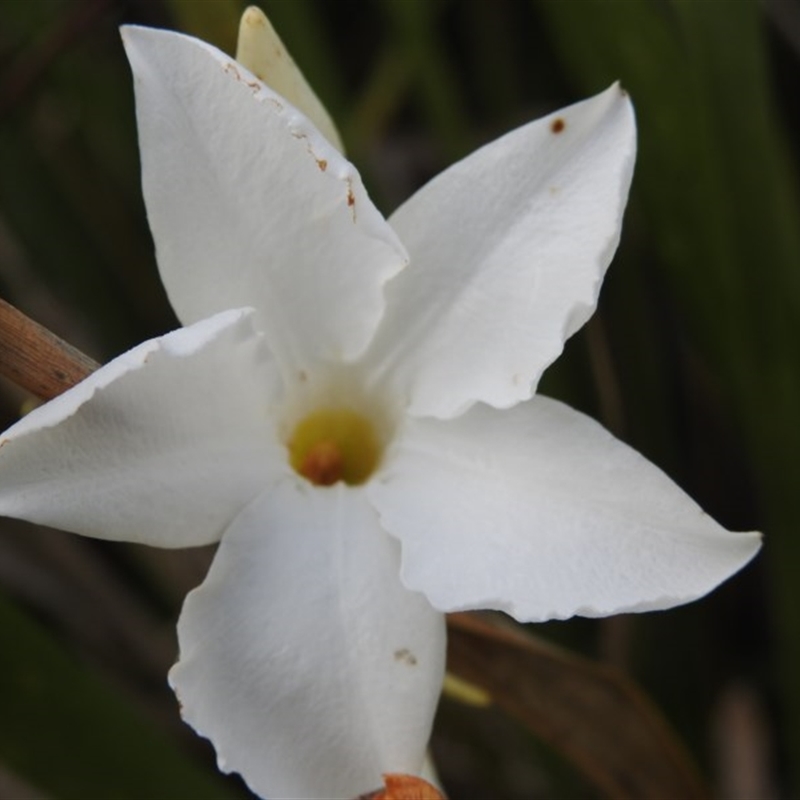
(261, 50)
(256, 36)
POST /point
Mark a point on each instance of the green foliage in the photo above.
(717, 188)
(71, 734)
(694, 356)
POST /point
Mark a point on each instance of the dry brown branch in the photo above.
(36, 359)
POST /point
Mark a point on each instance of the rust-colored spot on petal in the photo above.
(404, 787)
(406, 656)
(351, 199)
(230, 69)
(322, 164)
(558, 125)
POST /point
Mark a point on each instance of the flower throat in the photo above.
(333, 445)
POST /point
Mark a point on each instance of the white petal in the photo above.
(508, 251)
(163, 445)
(302, 657)
(250, 206)
(540, 512)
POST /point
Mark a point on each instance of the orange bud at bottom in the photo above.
(404, 787)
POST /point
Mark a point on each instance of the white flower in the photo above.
(350, 411)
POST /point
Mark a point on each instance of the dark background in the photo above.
(693, 356)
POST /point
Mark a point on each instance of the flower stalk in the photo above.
(36, 359)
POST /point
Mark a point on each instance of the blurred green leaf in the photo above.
(67, 732)
(438, 89)
(719, 196)
(586, 711)
(213, 21)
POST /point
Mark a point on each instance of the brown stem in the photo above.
(36, 359)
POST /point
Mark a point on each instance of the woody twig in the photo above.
(35, 358)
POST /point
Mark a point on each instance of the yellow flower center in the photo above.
(334, 445)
